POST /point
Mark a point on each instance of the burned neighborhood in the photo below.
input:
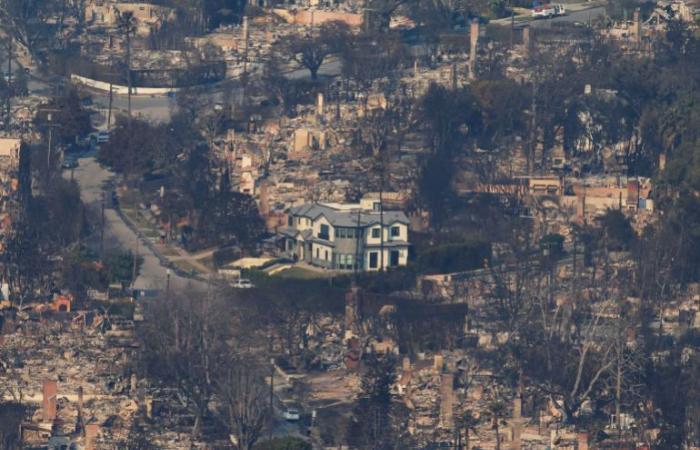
(350, 224)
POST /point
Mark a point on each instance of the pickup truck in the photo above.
(548, 11)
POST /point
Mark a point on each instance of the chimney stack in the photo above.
(49, 392)
(474, 40)
(91, 432)
(582, 439)
(319, 104)
(446, 400)
(526, 39)
(517, 422)
(637, 26)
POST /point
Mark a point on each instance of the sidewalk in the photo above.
(170, 256)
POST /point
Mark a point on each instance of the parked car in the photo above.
(243, 283)
(291, 414)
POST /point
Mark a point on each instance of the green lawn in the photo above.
(302, 274)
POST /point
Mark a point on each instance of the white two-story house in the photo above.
(347, 236)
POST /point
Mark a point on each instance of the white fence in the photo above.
(119, 89)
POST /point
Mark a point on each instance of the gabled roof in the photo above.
(347, 218)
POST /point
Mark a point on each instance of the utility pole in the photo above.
(48, 152)
(102, 229)
(272, 394)
(135, 264)
(245, 46)
(381, 218)
(111, 74)
(533, 128)
(49, 119)
(358, 242)
(9, 84)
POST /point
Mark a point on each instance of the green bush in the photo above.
(284, 443)
(457, 257)
(553, 244)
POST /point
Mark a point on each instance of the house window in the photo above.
(345, 261)
(394, 258)
(373, 257)
(395, 232)
(376, 206)
(290, 221)
(324, 232)
(318, 253)
(345, 233)
(326, 256)
(375, 233)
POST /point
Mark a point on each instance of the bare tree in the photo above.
(242, 396)
(185, 343)
(311, 50)
(127, 26)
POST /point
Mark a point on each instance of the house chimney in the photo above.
(438, 363)
(133, 385)
(319, 104)
(474, 41)
(91, 432)
(264, 196)
(352, 308)
(637, 26)
(446, 400)
(633, 193)
(526, 39)
(149, 407)
(582, 439)
(49, 392)
(79, 426)
(516, 423)
(80, 399)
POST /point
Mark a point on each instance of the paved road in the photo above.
(583, 16)
(156, 108)
(92, 179)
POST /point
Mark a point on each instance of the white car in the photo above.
(547, 11)
(243, 283)
(291, 415)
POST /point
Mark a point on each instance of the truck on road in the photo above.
(547, 11)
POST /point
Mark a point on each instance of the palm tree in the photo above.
(126, 23)
(469, 422)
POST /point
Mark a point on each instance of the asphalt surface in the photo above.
(93, 181)
(583, 16)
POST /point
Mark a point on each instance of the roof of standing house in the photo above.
(348, 217)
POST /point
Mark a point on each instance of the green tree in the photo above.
(617, 230)
(468, 422)
(450, 117)
(68, 119)
(284, 443)
(376, 420)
